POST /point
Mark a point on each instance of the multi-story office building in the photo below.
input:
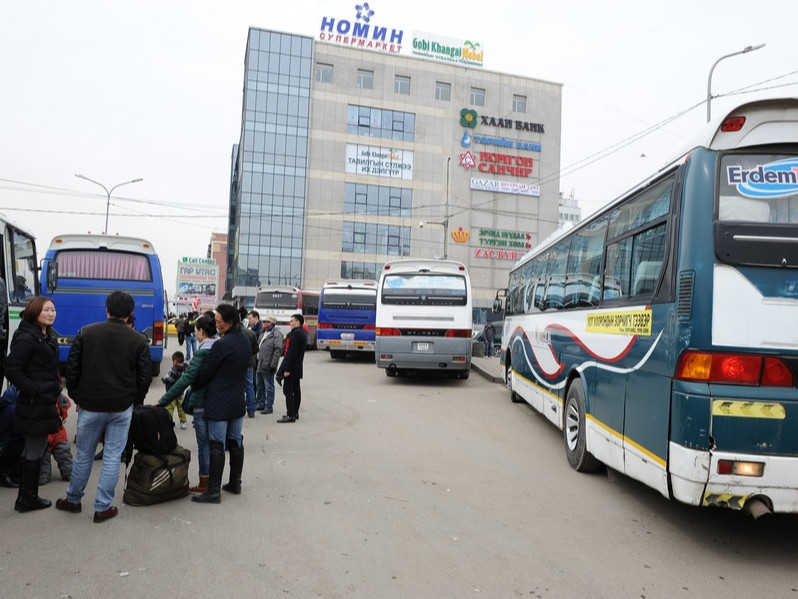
(345, 152)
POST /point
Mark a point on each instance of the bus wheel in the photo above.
(574, 432)
(514, 397)
(463, 374)
(336, 354)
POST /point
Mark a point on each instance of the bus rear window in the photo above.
(757, 210)
(277, 300)
(424, 290)
(351, 300)
(108, 266)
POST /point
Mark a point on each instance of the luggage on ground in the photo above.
(157, 478)
(152, 430)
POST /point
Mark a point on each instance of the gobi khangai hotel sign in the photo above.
(365, 32)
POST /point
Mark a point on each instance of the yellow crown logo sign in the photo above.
(460, 236)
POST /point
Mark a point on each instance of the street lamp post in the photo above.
(108, 193)
(709, 79)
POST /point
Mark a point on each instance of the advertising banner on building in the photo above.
(197, 284)
(523, 189)
(378, 161)
(437, 47)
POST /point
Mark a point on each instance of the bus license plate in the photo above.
(422, 346)
(347, 336)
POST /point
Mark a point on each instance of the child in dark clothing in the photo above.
(178, 368)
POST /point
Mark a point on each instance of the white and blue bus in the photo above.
(281, 301)
(347, 315)
(661, 334)
(79, 271)
(424, 318)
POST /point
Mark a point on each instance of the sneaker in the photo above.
(183, 426)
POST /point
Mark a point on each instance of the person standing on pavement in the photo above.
(223, 373)
(206, 334)
(108, 371)
(191, 338)
(249, 376)
(270, 348)
(290, 370)
(255, 325)
(32, 367)
(490, 335)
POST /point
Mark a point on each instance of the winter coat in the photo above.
(223, 373)
(295, 343)
(197, 398)
(32, 367)
(60, 436)
(253, 344)
(8, 411)
(270, 348)
(109, 367)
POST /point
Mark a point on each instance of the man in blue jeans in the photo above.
(108, 371)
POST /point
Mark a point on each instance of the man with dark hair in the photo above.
(290, 369)
(108, 371)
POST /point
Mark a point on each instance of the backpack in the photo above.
(157, 478)
(152, 430)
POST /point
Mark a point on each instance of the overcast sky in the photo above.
(122, 90)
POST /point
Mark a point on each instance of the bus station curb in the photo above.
(490, 368)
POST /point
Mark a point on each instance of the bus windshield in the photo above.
(350, 299)
(424, 290)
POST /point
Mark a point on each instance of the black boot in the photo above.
(28, 497)
(236, 466)
(213, 494)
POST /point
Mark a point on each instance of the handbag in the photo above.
(186, 405)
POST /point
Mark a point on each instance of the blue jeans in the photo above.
(266, 390)
(203, 449)
(191, 345)
(92, 426)
(249, 391)
(222, 430)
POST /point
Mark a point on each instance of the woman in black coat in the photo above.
(32, 367)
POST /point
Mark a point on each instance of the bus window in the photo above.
(23, 258)
(555, 286)
(584, 264)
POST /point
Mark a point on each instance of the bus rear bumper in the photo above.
(336, 345)
(695, 480)
(423, 362)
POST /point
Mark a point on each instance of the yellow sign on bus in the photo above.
(630, 322)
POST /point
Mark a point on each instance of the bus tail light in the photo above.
(733, 123)
(368, 327)
(325, 325)
(157, 333)
(737, 468)
(387, 332)
(735, 369)
(460, 333)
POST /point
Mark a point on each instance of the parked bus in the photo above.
(424, 318)
(18, 281)
(347, 314)
(661, 334)
(282, 301)
(79, 271)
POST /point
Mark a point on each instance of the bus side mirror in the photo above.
(52, 276)
(497, 305)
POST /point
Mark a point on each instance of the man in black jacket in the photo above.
(290, 370)
(108, 371)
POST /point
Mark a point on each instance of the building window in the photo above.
(365, 79)
(377, 199)
(401, 85)
(378, 122)
(477, 96)
(443, 91)
(372, 238)
(324, 72)
(361, 270)
(519, 103)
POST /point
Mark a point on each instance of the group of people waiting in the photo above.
(109, 371)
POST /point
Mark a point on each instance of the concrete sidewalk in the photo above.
(490, 368)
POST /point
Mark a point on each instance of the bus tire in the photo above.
(514, 397)
(156, 369)
(463, 374)
(574, 430)
(335, 354)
